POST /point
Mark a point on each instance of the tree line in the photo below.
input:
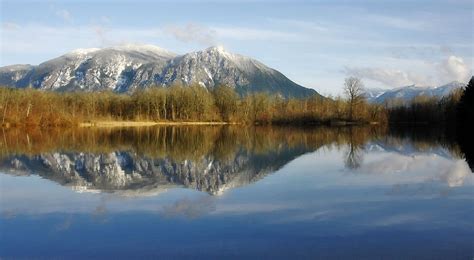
(425, 110)
(30, 107)
(453, 110)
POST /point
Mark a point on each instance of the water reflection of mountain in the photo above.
(122, 171)
(207, 159)
(149, 160)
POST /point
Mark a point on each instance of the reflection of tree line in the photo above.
(210, 159)
(221, 143)
(421, 138)
(179, 143)
(424, 138)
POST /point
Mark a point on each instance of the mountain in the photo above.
(126, 68)
(409, 92)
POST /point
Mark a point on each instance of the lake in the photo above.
(235, 192)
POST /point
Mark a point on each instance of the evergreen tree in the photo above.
(465, 123)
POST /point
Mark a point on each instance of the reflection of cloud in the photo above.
(417, 189)
(65, 225)
(421, 168)
(100, 212)
(398, 219)
(388, 164)
(457, 174)
(190, 208)
(253, 208)
(8, 214)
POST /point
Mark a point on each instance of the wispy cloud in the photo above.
(388, 77)
(193, 33)
(9, 26)
(425, 52)
(250, 34)
(59, 39)
(64, 225)
(64, 14)
(397, 22)
(296, 24)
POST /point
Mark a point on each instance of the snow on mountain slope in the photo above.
(409, 92)
(96, 69)
(16, 75)
(128, 67)
(373, 93)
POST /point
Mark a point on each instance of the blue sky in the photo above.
(315, 43)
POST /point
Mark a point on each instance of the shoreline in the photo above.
(148, 123)
(118, 123)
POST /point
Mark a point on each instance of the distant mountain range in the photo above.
(130, 67)
(407, 93)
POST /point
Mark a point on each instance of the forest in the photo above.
(35, 108)
(30, 107)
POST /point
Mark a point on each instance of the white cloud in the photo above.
(454, 68)
(388, 77)
(192, 33)
(8, 26)
(415, 71)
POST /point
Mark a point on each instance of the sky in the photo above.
(314, 43)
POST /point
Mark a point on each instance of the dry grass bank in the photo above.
(147, 123)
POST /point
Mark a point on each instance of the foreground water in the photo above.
(214, 192)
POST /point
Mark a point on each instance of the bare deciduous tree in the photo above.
(354, 90)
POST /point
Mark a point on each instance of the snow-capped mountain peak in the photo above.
(407, 93)
(83, 51)
(125, 68)
(217, 48)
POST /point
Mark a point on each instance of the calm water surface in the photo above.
(214, 192)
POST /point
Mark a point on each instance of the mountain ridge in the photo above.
(126, 68)
(407, 93)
